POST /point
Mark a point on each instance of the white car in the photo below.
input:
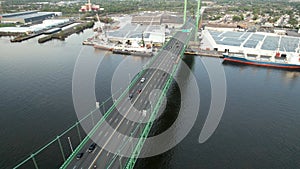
(143, 80)
(144, 113)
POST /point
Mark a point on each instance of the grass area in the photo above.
(7, 25)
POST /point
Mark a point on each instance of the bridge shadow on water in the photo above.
(167, 118)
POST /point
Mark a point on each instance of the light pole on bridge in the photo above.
(184, 14)
(70, 143)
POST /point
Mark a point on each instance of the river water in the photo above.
(259, 127)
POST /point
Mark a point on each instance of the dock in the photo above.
(208, 53)
(134, 53)
(22, 36)
(25, 37)
(67, 32)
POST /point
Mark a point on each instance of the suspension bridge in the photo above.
(129, 116)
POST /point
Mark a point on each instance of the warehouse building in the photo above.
(27, 17)
(46, 24)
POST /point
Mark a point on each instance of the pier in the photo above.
(203, 53)
(65, 33)
(52, 35)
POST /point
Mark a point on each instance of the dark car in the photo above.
(92, 147)
(130, 96)
(139, 91)
(79, 155)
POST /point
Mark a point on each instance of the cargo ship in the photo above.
(134, 48)
(89, 41)
(135, 53)
(286, 60)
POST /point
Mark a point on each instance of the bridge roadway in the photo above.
(138, 108)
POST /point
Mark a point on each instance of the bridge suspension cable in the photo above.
(58, 137)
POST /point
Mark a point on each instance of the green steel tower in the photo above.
(198, 14)
(184, 15)
(197, 19)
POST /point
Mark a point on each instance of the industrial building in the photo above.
(27, 17)
(46, 24)
(147, 20)
(133, 32)
(157, 18)
(254, 43)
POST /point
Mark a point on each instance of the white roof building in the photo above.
(45, 25)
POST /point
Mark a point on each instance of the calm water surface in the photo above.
(259, 128)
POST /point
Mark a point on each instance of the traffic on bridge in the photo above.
(112, 146)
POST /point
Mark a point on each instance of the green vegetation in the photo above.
(110, 7)
(236, 18)
(255, 17)
(273, 20)
(213, 18)
(264, 11)
(293, 22)
(267, 10)
(7, 25)
(66, 10)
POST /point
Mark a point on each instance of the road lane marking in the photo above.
(94, 150)
(100, 133)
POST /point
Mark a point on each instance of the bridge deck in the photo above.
(130, 116)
